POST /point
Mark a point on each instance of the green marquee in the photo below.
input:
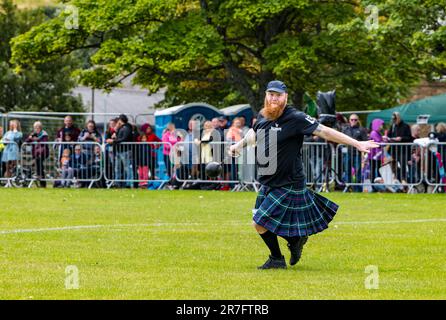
(434, 106)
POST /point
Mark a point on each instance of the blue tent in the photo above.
(180, 115)
(239, 110)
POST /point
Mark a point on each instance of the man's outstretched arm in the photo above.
(330, 134)
(248, 140)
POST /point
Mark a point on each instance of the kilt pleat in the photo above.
(289, 211)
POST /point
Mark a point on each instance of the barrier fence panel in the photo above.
(190, 159)
(318, 161)
(136, 164)
(241, 173)
(434, 169)
(350, 168)
(248, 171)
(67, 164)
(3, 122)
(394, 167)
(9, 162)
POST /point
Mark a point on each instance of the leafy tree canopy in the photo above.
(225, 51)
(36, 87)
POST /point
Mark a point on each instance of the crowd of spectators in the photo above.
(80, 154)
(400, 157)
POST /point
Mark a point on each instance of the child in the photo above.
(67, 171)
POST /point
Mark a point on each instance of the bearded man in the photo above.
(284, 206)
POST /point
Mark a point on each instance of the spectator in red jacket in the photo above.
(146, 154)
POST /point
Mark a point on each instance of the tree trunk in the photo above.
(297, 99)
(256, 102)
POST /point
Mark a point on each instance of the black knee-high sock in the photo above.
(271, 241)
(291, 240)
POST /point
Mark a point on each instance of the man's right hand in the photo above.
(234, 151)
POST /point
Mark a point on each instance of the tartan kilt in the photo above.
(292, 212)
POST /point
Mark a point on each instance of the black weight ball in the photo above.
(213, 169)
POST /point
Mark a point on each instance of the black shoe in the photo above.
(274, 263)
(296, 250)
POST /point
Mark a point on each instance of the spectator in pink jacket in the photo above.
(170, 136)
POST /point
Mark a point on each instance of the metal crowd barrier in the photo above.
(317, 160)
(394, 167)
(77, 164)
(190, 159)
(9, 170)
(136, 164)
(435, 162)
(318, 163)
(241, 173)
(248, 171)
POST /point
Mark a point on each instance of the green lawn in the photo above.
(200, 245)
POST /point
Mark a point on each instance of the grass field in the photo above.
(200, 245)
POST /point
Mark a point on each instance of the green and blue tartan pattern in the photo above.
(288, 211)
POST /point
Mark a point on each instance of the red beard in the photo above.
(272, 112)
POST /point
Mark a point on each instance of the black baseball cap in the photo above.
(276, 86)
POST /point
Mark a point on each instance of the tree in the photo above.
(36, 87)
(226, 51)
